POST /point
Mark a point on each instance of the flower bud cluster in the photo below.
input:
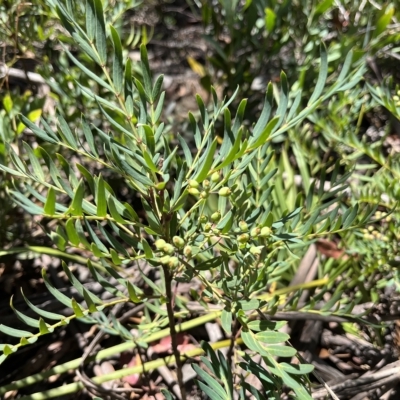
(167, 251)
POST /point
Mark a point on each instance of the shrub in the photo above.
(223, 214)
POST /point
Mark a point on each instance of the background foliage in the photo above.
(231, 203)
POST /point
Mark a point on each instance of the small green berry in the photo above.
(216, 231)
(255, 232)
(173, 262)
(178, 242)
(243, 226)
(194, 184)
(255, 250)
(224, 191)
(168, 249)
(187, 251)
(193, 191)
(203, 218)
(207, 226)
(265, 232)
(215, 177)
(243, 238)
(216, 216)
(204, 194)
(160, 243)
(206, 184)
(165, 260)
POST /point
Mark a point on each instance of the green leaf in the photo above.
(89, 73)
(265, 113)
(37, 168)
(43, 328)
(72, 234)
(147, 249)
(211, 382)
(384, 19)
(100, 32)
(114, 213)
(270, 18)
(146, 72)
(115, 258)
(56, 293)
(233, 152)
(272, 337)
(118, 68)
(66, 132)
(226, 222)
(298, 369)
(101, 200)
(90, 20)
(89, 136)
(132, 293)
(37, 131)
(149, 162)
(209, 264)
(262, 325)
(349, 217)
(323, 73)
(88, 300)
(76, 205)
(14, 332)
(264, 135)
(157, 87)
(226, 321)
(78, 311)
(205, 168)
(50, 205)
(281, 351)
(42, 313)
(24, 318)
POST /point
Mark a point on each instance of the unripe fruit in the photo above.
(243, 238)
(255, 250)
(206, 184)
(224, 191)
(255, 232)
(243, 226)
(216, 216)
(203, 218)
(216, 231)
(178, 242)
(160, 243)
(187, 251)
(168, 249)
(194, 184)
(194, 191)
(165, 260)
(160, 185)
(215, 177)
(207, 226)
(203, 194)
(265, 232)
(173, 262)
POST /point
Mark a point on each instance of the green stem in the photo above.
(174, 338)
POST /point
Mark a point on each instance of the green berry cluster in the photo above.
(167, 251)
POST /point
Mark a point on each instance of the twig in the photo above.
(174, 340)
